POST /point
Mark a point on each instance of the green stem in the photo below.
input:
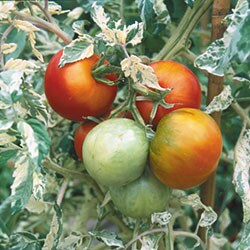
(179, 39)
(45, 12)
(189, 235)
(152, 231)
(241, 112)
(68, 173)
(169, 237)
(3, 39)
(45, 25)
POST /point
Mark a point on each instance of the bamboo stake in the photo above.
(215, 86)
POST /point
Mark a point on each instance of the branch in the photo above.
(45, 25)
(241, 112)
(3, 39)
(179, 39)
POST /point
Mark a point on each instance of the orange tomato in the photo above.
(73, 92)
(186, 92)
(186, 148)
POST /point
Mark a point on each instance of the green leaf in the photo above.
(6, 155)
(42, 138)
(161, 218)
(241, 172)
(24, 241)
(18, 37)
(111, 239)
(220, 102)
(79, 49)
(21, 188)
(161, 11)
(245, 239)
(234, 46)
(56, 227)
(79, 27)
(146, 11)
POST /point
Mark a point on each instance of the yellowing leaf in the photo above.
(25, 26)
(8, 48)
(139, 72)
(35, 206)
(99, 16)
(32, 37)
(19, 64)
(75, 13)
(5, 9)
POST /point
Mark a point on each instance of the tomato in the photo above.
(185, 92)
(115, 152)
(186, 148)
(80, 134)
(73, 92)
(142, 197)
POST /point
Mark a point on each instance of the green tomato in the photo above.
(115, 152)
(142, 197)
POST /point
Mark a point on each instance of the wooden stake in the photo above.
(215, 86)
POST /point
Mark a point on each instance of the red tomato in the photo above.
(73, 92)
(186, 90)
(186, 148)
(80, 134)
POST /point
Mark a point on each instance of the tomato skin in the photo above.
(80, 134)
(186, 91)
(142, 197)
(115, 152)
(73, 93)
(186, 148)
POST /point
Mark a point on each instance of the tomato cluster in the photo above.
(117, 153)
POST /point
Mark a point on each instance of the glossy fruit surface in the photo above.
(115, 152)
(185, 87)
(73, 92)
(142, 197)
(80, 134)
(186, 148)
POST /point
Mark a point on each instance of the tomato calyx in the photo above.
(101, 69)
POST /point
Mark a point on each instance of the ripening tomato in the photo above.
(186, 92)
(142, 197)
(115, 151)
(186, 148)
(80, 134)
(73, 92)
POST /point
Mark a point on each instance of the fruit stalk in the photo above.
(215, 86)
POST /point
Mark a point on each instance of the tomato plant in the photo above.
(73, 92)
(115, 151)
(186, 148)
(185, 92)
(142, 197)
(80, 134)
(176, 68)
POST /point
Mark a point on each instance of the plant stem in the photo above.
(45, 12)
(152, 231)
(215, 86)
(190, 235)
(241, 112)
(3, 39)
(179, 39)
(68, 173)
(62, 192)
(45, 25)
